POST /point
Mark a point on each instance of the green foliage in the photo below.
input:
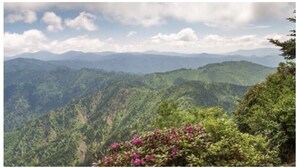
(91, 109)
(31, 93)
(114, 114)
(218, 143)
(269, 108)
(37, 91)
(170, 114)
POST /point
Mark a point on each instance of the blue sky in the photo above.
(129, 27)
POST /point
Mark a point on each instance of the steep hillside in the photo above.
(69, 135)
(29, 93)
(61, 116)
(32, 91)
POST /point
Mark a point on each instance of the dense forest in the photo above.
(67, 113)
(260, 132)
(229, 113)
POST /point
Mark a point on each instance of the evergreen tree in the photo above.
(287, 47)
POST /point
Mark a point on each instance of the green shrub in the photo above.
(268, 109)
(216, 141)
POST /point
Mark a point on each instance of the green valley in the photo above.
(68, 115)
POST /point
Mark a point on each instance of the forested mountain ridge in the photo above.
(87, 109)
(234, 72)
(31, 91)
(28, 64)
(94, 122)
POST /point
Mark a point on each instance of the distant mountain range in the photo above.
(73, 55)
(148, 62)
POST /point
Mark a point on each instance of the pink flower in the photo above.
(107, 160)
(136, 140)
(174, 152)
(135, 155)
(137, 161)
(188, 129)
(114, 146)
(175, 138)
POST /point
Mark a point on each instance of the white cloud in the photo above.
(276, 36)
(29, 41)
(245, 38)
(144, 14)
(210, 25)
(222, 44)
(214, 37)
(79, 43)
(26, 16)
(185, 41)
(212, 43)
(110, 40)
(35, 6)
(262, 26)
(211, 14)
(34, 40)
(54, 22)
(185, 35)
(151, 14)
(131, 33)
(83, 21)
(252, 26)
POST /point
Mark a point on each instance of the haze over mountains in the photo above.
(149, 62)
(255, 52)
(149, 84)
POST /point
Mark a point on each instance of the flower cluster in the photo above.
(114, 146)
(191, 145)
(136, 140)
(160, 147)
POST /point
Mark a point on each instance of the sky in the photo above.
(137, 27)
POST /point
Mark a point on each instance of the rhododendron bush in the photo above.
(189, 145)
